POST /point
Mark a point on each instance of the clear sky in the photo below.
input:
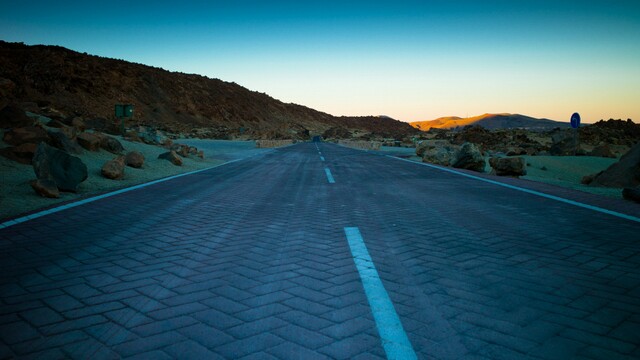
(411, 60)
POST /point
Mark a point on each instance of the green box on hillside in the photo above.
(124, 110)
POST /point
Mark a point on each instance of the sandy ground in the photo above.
(17, 196)
(566, 171)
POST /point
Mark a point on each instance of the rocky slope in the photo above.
(491, 122)
(58, 82)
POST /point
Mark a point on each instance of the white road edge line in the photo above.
(329, 176)
(395, 342)
(321, 158)
(533, 192)
(92, 199)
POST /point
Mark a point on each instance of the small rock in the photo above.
(134, 159)
(65, 170)
(171, 156)
(201, 154)
(89, 141)
(28, 134)
(632, 194)
(511, 166)
(469, 157)
(114, 169)
(45, 188)
(22, 153)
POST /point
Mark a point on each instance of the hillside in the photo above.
(61, 82)
(491, 122)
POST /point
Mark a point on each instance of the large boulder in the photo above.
(508, 166)
(469, 157)
(45, 188)
(171, 156)
(12, 116)
(110, 144)
(60, 140)
(65, 170)
(22, 153)
(441, 155)
(89, 141)
(624, 173)
(28, 134)
(114, 169)
(135, 159)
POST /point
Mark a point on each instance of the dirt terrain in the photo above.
(59, 82)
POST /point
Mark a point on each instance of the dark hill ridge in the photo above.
(88, 86)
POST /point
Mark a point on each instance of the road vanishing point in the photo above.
(317, 251)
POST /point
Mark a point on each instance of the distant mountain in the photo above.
(491, 121)
(76, 84)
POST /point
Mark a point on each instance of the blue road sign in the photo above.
(575, 120)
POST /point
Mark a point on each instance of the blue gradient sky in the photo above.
(411, 60)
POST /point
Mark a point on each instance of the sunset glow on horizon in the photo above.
(410, 60)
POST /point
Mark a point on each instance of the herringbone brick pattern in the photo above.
(250, 261)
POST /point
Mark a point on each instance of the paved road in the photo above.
(251, 260)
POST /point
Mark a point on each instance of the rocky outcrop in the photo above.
(28, 134)
(438, 152)
(171, 156)
(114, 169)
(134, 159)
(337, 133)
(89, 141)
(563, 143)
(65, 170)
(22, 153)
(602, 150)
(469, 157)
(624, 173)
(45, 188)
(12, 116)
(509, 166)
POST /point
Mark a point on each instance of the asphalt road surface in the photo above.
(319, 251)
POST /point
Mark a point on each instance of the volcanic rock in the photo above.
(114, 169)
(22, 153)
(509, 166)
(89, 141)
(12, 116)
(624, 173)
(602, 150)
(65, 170)
(469, 157)
(62, 142)
(28, 134)
(134, 159)
(45, 188)
(110, 144)
(563, 143)
(171, 156)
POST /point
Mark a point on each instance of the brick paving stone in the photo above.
(289, 350)
(148, 343)
(207, 336)
(248, 345)
(190, 350)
